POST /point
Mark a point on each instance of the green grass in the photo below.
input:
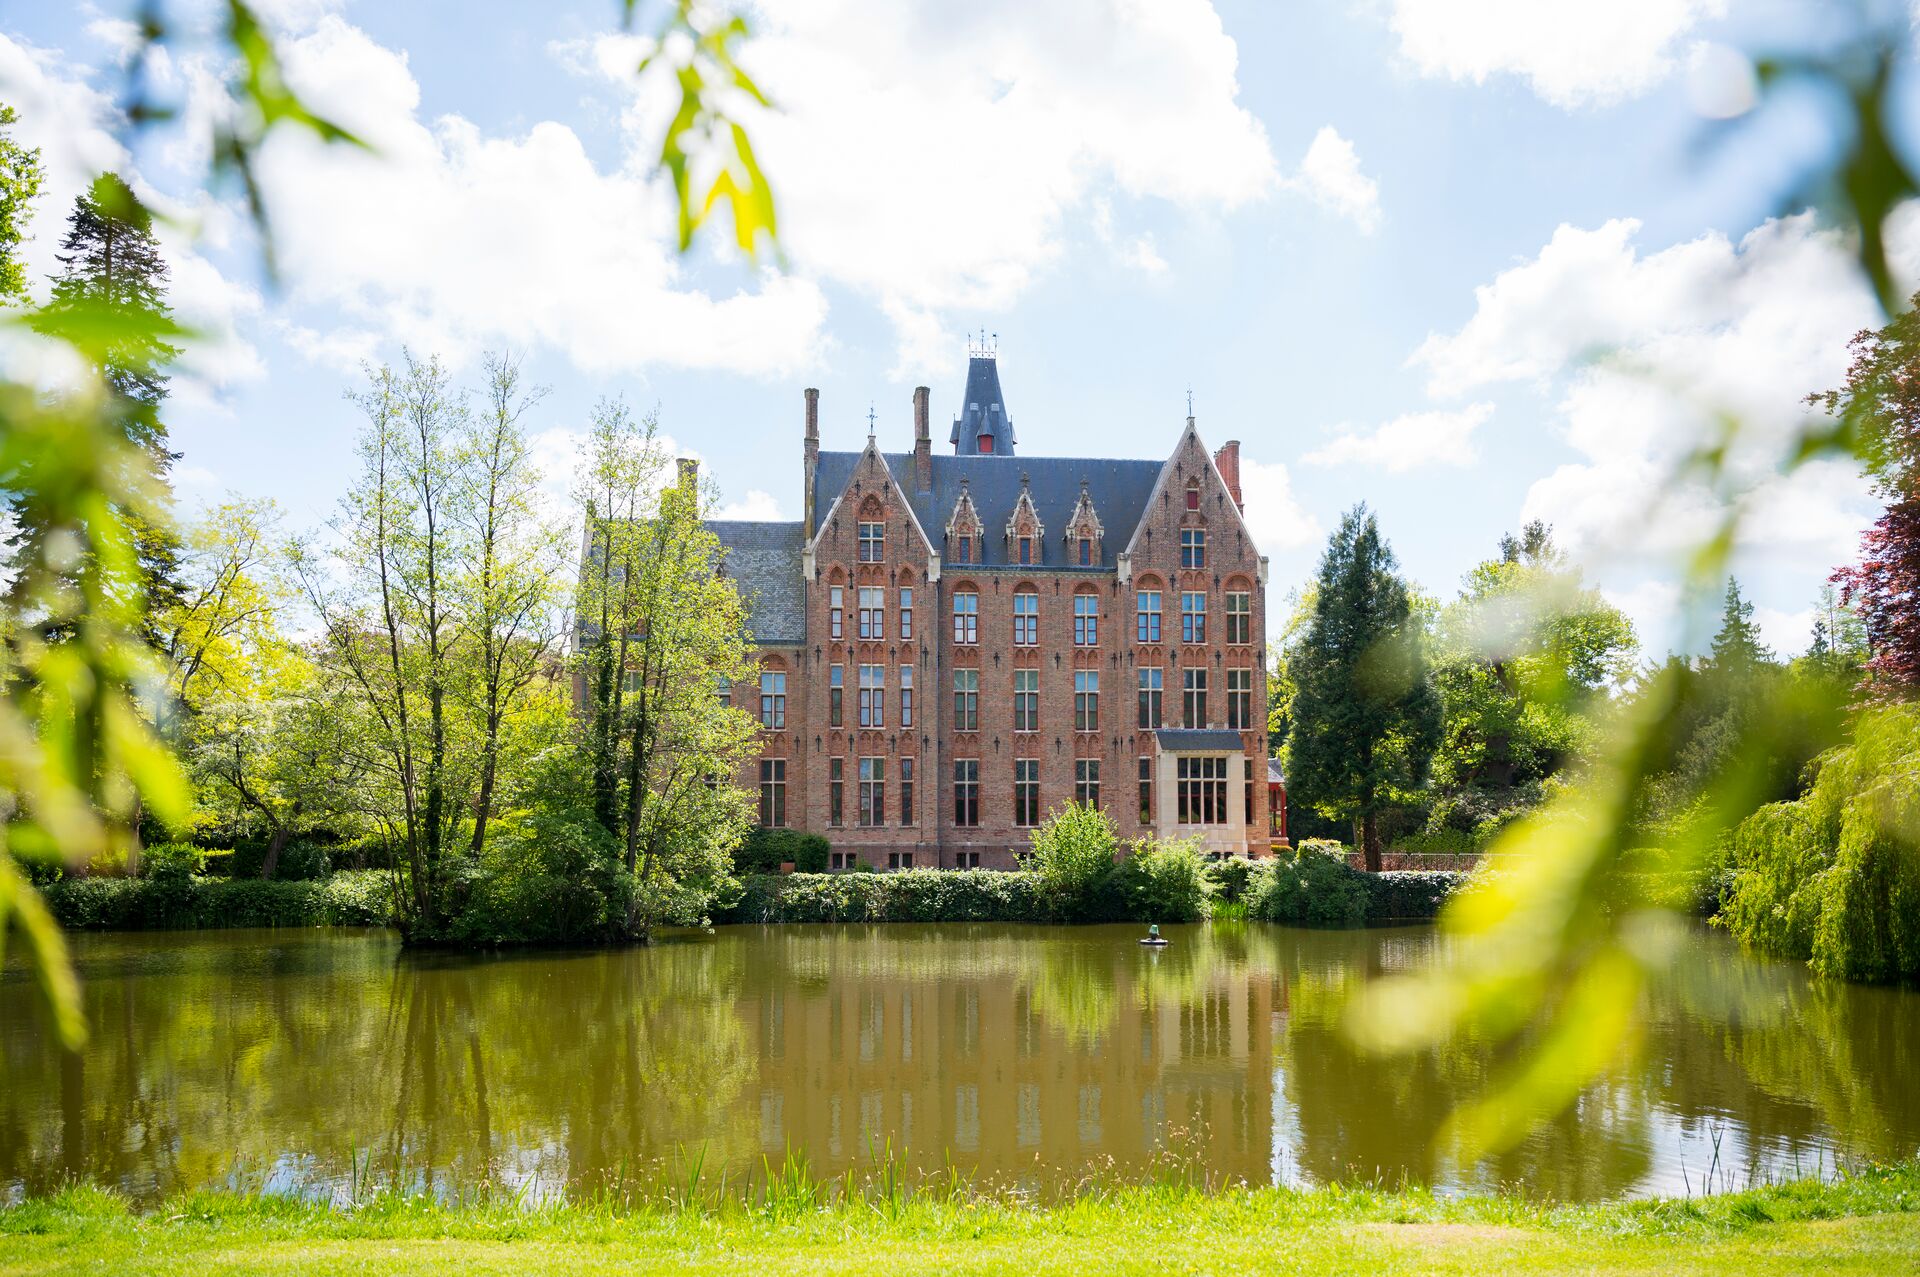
(1867, 1222)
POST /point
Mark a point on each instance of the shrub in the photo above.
(1407, 895)
(1311, 887)
(1834, 877)
(764, 850)
(1072, 860)
(910, 895)
(301, 860)
(549, 876)
(172, 860)
(1229, 876)
(177, 902)
(1164, 882)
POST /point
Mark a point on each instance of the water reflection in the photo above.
(1021, 1056)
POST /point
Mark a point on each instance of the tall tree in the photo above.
(510, 590)
(1880, 405)
(1737, 649)
(1366, 719)
(21, 176)
(112, 269)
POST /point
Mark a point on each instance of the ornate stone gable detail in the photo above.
(1084, 526)
(1024, 524)
(965, 523)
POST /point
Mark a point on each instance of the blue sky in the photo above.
(1381, 240)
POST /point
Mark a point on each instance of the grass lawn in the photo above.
(1866, 1223)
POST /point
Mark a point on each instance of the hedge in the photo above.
(910, 895)
(1315, 886)
(179, 902)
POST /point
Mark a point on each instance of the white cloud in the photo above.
(1274, 514)
(1648, 353)
(342, 349)
(755, 505)
(1330, 173)
(1787, 633)
(1136, 252)
(930, 155)
(1442, 437)
(1570, 52)
(453, 239)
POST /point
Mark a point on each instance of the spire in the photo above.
(983, 428)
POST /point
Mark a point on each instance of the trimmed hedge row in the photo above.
(1316, 887)
(1408, 895)
(181, 902)
(909, 895)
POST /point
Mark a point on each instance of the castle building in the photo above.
(952, 645)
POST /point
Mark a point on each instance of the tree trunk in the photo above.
(274, 848)
(1370, 842)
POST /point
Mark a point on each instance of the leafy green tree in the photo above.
(1366, 718)
(1522, 658)
(21, 176)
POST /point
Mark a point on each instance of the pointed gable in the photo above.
(1026, 535)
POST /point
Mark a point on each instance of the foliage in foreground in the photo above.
(790, 1220)
(1834, 877)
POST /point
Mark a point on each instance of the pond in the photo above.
(1023, 1057)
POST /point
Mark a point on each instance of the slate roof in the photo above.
(1119, 488)
(764, 558)
(1274, 775)
(983, 411)
(1187, 740)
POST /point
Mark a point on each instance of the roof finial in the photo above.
(870, 416)
(1189, 401)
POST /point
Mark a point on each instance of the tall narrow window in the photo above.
(773, 792)
(1152, 688)
(1193, 617)
(1086, 700)
(836, 611)
(873, 792)
(1193, 707)
(1086, 552)
(966, 700)
(966, 618)
(966, 792)
(966, 550)
(1086, 781)
(906, 791)
(1026, 700)
(1240, 699)
(1086, 619)
(1146, 791)
(773, 700)
(906, 696)
(1193, 496)
(836, 789)
(906, 614)
(873, 696)
(836, 695)
(873, 542)
(873, 612)
(1026, 549)
(1246, 814)
(1147, 616)
(1026, 792)
(1202, 786)
(1026, 618)
(1193, 547)
(1239, 617)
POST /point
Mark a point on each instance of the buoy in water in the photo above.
(1153, 937)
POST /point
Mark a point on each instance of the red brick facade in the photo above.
(1057, 706)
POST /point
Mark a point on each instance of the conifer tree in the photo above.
(1737, 648)
(1366, 718)
(111, 264)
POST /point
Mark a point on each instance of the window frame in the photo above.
(836, 695)
(1086, 619)
(1239, 617)
(871, 612)
(1086, 700)
(1147, 619)
(836, 611)
(1200, 782)
(773, 700)
(773, 793)
(1086, 781)
(966, 618)
(873, 696)
(1193, 548)
(1151, 682)
(1193, 696)
(966, 699)
(1026, 700)
(872, 795)
(1240, 698)
(1026, 618)
(1026, 793)
(836, 791)
(872, 542)
(1193, 616)
(966, 793)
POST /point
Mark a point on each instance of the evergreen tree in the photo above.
(1737, 648)
(111, 264)
(1366, 719)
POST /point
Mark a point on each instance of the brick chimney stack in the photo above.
(812, 455)
(1228, 459)
(689, 474)
(922, 442)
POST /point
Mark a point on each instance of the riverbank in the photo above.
(1868, 1222)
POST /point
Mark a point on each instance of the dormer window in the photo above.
(1026, 550)
(1086, 552)
(966, 549)
(986, 445)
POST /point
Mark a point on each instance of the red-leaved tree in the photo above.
(1881, 401)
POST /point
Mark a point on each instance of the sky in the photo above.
(1470, 262)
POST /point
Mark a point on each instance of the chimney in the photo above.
(689, 474)
(922, 442)
(1228, 459)
(813, 458)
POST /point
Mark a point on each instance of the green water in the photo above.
(1022, 1056)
